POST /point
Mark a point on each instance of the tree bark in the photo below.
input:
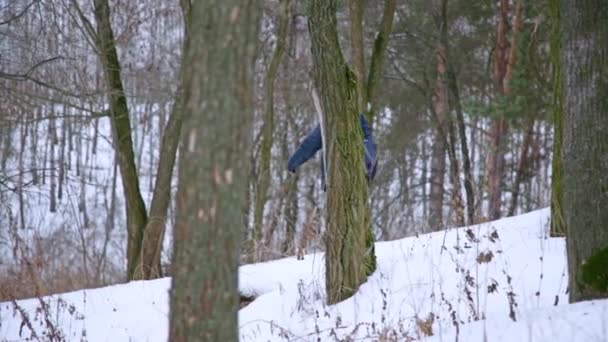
(378, 56)
(454, 103)
(349, 240)
(149, 262)
(218, 97)
(439, 11)
(585, 150)
(145, 235)
(268, 127)
(135, 207)
(438, 166)
(356, 10)
(497, 131)
(504, 68)
(522, 165)
(558, 226)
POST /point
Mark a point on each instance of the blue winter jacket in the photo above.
(313, 143)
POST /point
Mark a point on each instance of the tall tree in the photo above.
(367, 87)
(557, 211)
(505, 61)
(349, 257)
(145, 233)
(585, 150)
(218, 99)
(498, 131)
(445, 93)
(438, 153)
(454, 104)
(268, 126)
(137, 216)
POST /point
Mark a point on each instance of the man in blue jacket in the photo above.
(314, 142)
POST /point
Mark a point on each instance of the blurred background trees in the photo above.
(455, 74)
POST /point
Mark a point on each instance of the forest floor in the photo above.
(498, 281)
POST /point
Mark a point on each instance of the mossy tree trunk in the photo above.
(218, 107)
(584, 49)
(268, 127)
(558, 227)
(349, 241)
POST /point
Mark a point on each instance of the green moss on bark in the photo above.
(595, 271)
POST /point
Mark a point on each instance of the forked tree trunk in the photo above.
(367, 86)
(378, 57)
(268, 127)
(145, 235)
(350, 256)
(218, 99)
(121, 128)
(585, 181)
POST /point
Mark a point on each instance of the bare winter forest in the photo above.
(126, 125)
(460, 104)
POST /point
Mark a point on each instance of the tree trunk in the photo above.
(135, 207)
(145, 236)
(522, 165)
(350, 256)
(149, 263)
(377, 59)
(218, 99)
(268, 127)
(496, 154)
(558, 226)
(585, 150)
(357, 46)
(454, 103)
(440, 104)
(439, 10)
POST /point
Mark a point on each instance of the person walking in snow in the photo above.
(314, 142)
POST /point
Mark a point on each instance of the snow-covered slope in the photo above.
(499, 281)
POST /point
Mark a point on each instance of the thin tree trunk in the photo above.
(356, 10)
(454, 102)
(349, 241)
(558, 226)
(523, 165)
(153, 236)
(496, 156)
(439, 9)
(378, 57)
(504, 68)
(22, 178)
(268, 127)
(53, 174)
(291, 209)
(438, 166)
(135, 207)
(585, 149)
(217, 85)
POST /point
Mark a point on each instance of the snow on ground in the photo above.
(499, 281)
